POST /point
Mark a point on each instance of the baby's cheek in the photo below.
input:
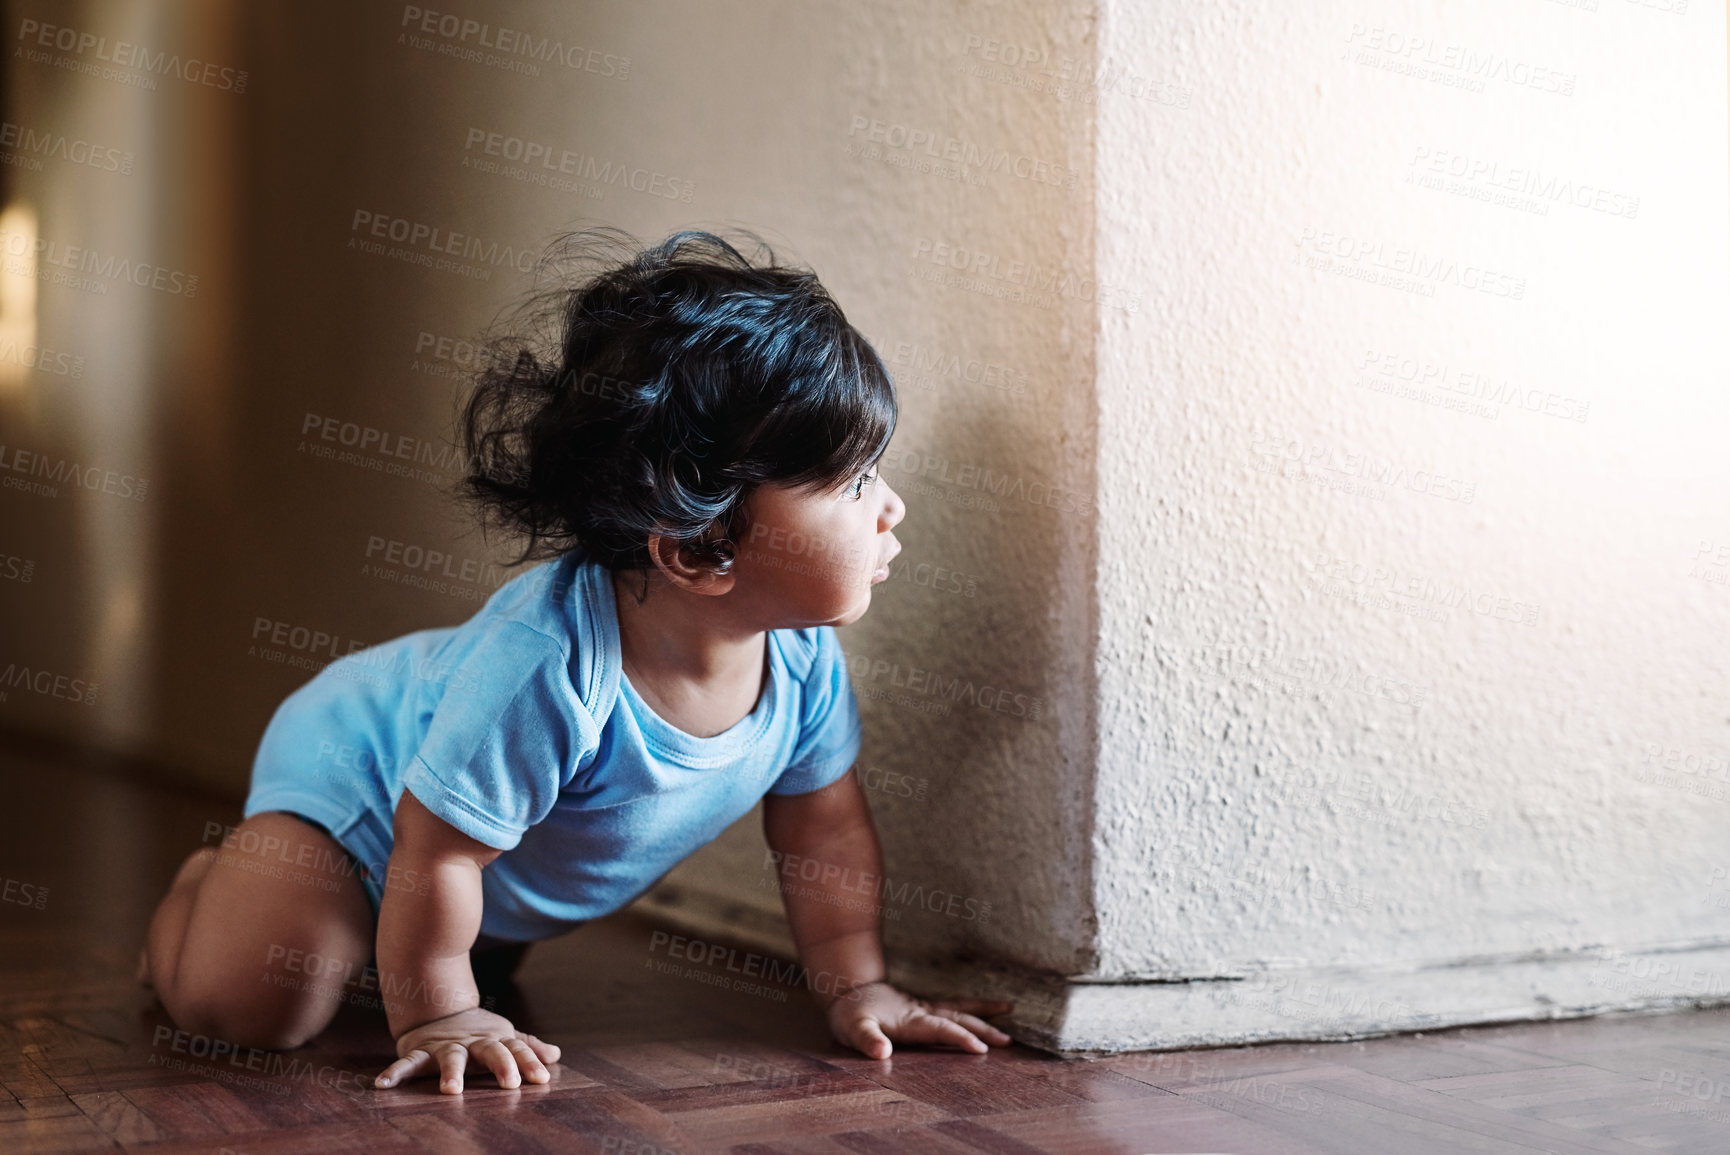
(839, 559)
(863, 564)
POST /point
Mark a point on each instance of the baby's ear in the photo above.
(690, 569)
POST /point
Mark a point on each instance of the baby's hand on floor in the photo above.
(868, 1017)
(447, 1043)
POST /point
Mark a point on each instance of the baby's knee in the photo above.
(196, 866)
(243, 1028)
(245, 1020)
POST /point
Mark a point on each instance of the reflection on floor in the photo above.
(668, 1062)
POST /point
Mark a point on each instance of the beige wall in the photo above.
(754, 111)
(1412, 686)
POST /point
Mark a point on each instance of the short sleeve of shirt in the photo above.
(830, 733)
(504, 739)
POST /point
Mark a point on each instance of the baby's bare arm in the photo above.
(428, 920)
(834, 915)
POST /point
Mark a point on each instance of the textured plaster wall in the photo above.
(757, 110)
(867, 135)
(1310, 757)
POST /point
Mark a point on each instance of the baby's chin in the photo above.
(857, 611)
(829, 615)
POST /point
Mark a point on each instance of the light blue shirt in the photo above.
(519, 728)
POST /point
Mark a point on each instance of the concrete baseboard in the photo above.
(1078, 1017)
(1093, 1018)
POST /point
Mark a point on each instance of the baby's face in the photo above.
(810, 559)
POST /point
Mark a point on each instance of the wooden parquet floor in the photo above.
(666, 1062)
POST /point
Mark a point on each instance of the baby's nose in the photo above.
(894, 509)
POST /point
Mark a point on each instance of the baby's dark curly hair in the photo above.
(649, 390)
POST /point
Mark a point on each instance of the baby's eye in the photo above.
(860, 483)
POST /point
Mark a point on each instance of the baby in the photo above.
(686, 439)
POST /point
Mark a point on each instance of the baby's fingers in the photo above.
(453, 1060)
(528, 1062)
(978, 1026)
(545, 1052)
(932, 1030)
(408, 1067)
(866, 1037)
(500, 1061)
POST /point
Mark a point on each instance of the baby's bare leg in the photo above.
(253, 940)
(168, 924)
